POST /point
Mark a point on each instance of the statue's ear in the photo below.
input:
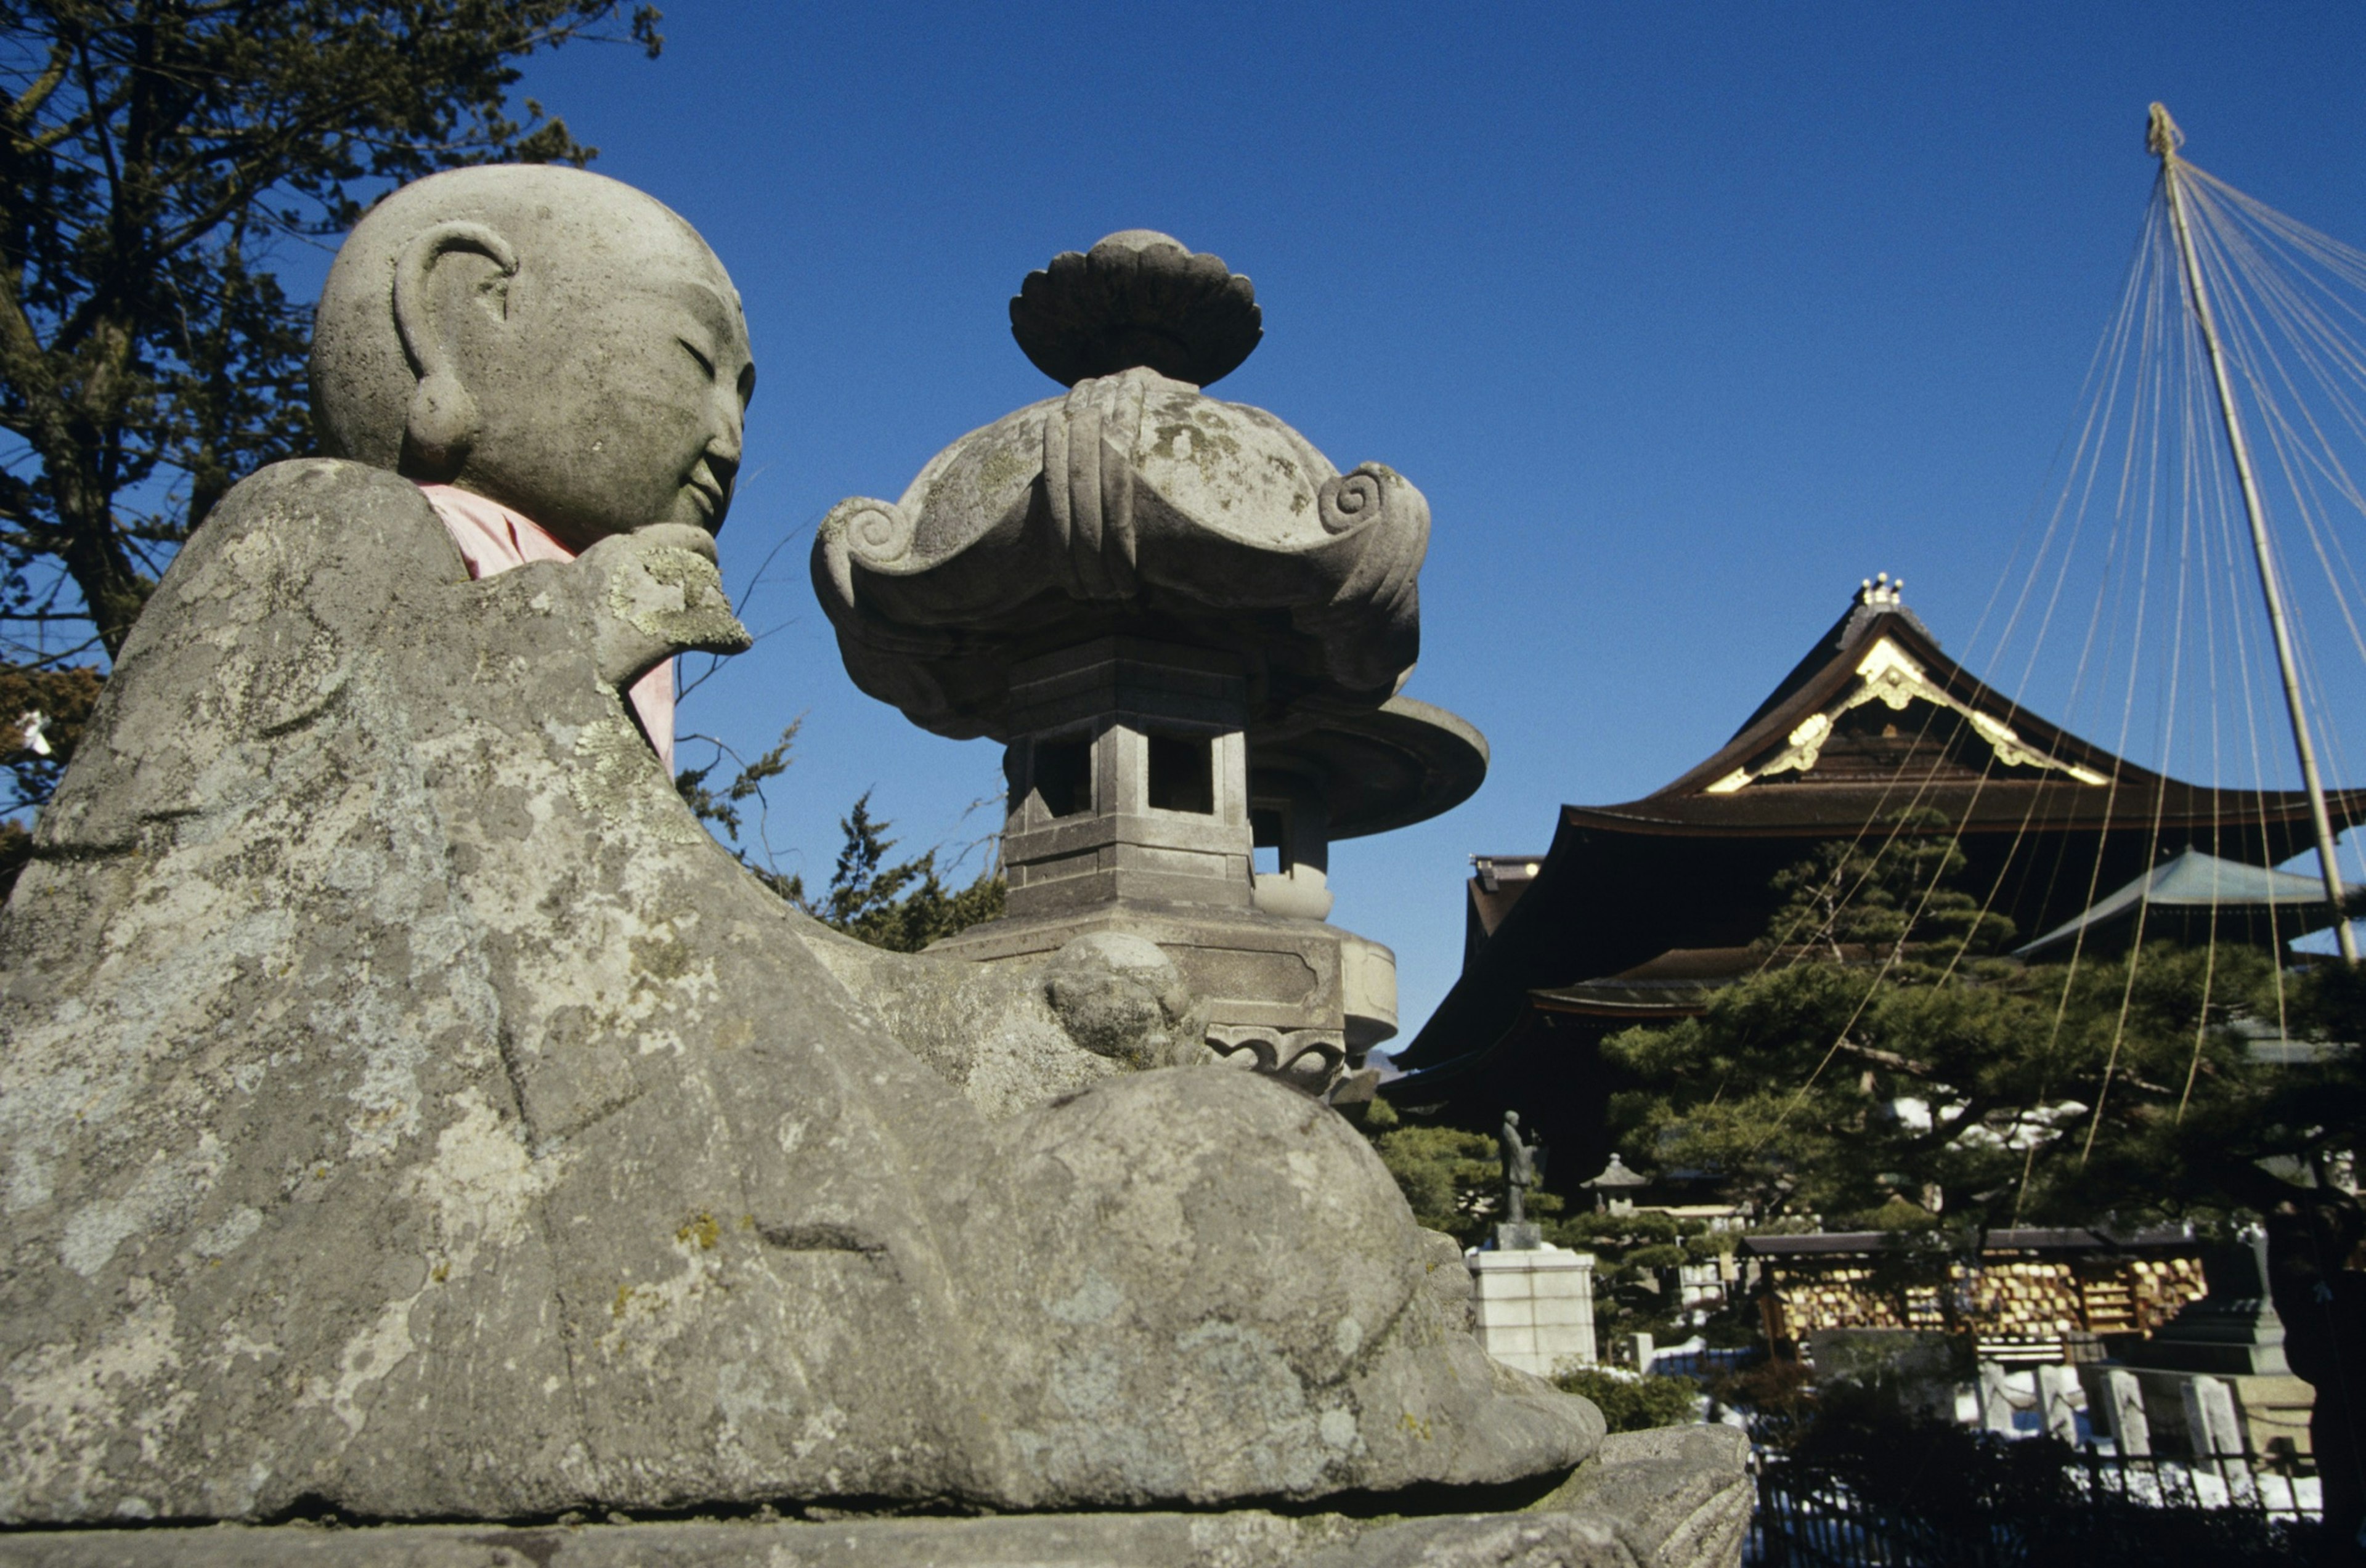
(442, 420)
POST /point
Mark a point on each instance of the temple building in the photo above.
(1638, 912)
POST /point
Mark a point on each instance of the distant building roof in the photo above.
(2189, 893)
(2022, 1239)
(1616, 1176)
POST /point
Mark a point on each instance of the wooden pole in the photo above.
(2163, 138)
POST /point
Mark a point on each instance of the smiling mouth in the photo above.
(710, 496)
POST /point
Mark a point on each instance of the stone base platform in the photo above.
(1676, 1497)
(1294, 998)
(1533, 1306)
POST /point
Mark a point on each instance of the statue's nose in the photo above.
(723, 458)
(723, 444)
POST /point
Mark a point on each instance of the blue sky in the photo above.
(1685, 317)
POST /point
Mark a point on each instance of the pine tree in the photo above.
(1898, 1078)
(902, 906)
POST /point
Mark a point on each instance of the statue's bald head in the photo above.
(548, 337)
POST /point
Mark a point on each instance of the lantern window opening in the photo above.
(1182, 772)
(1062, 767)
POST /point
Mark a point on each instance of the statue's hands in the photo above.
(656, 593)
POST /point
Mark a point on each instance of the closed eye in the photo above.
(696, 352)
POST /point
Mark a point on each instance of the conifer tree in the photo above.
(1903, 1078)
(902, 907)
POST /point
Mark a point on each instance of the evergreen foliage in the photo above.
(902, 907)
(1888, 896)
(1634, 1403)
(1632, 1254)
(721, 806)
(1886, 1072)
(42, 711)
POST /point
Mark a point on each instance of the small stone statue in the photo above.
(1520, 1171)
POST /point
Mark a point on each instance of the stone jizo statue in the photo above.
(409, 1109)
(439, 356)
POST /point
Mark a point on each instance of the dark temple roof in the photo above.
(1876, 721)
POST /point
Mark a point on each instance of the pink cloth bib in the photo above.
(492, 538)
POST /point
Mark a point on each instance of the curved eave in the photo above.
(1577, 1003)
(1808, 810)
(1402, 762)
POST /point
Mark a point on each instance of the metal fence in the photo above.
(2105, 1511)
(1705, 1364)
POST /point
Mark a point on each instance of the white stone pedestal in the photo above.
(2210, 1424)
(2059, 1400)
(2131, 1428)
(1534, 1306)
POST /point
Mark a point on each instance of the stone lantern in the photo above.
(1614, 1190)
(1187, 628)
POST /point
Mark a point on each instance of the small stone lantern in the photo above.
(1187, 628)
(1614, 1190)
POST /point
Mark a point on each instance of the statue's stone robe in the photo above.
(407, 1110)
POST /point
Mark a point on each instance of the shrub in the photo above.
(1631, 1404)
